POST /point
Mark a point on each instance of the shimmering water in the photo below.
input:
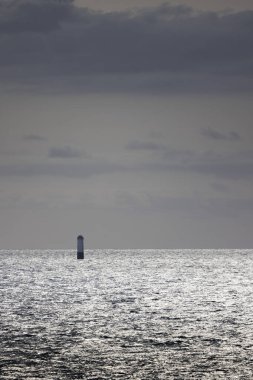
(135, 314)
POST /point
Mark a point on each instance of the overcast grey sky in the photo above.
(207, 5)
(130, 122)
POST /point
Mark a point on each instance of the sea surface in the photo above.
(126, 314)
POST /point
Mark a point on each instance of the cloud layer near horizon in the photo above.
(166, 47)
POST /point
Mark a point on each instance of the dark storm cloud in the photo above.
(167, 47)
(64, 152)
(213, 134)
(19, 16)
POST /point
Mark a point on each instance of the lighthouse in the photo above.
(80, 247)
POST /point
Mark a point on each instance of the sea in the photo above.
(126, 314)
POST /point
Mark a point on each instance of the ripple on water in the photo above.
(154, 314)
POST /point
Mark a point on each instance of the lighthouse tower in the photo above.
(80, 247)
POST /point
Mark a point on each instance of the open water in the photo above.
(132, 314)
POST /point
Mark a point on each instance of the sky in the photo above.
(129, 122)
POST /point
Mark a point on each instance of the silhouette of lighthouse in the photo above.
(80, 254)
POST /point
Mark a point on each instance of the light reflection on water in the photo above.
(133, 314)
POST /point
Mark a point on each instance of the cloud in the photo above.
(204, 207)
(34, 137)
(64, 152)
(221, 166)
(229, 167)
(149, 146)
(226, 170)
(60, 169)
(168, 48)
(220, 187)
(192, 206)
(213, 134)
(166, 153)
(165, 160)
(26, 16)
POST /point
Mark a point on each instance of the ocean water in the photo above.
(132, 314)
